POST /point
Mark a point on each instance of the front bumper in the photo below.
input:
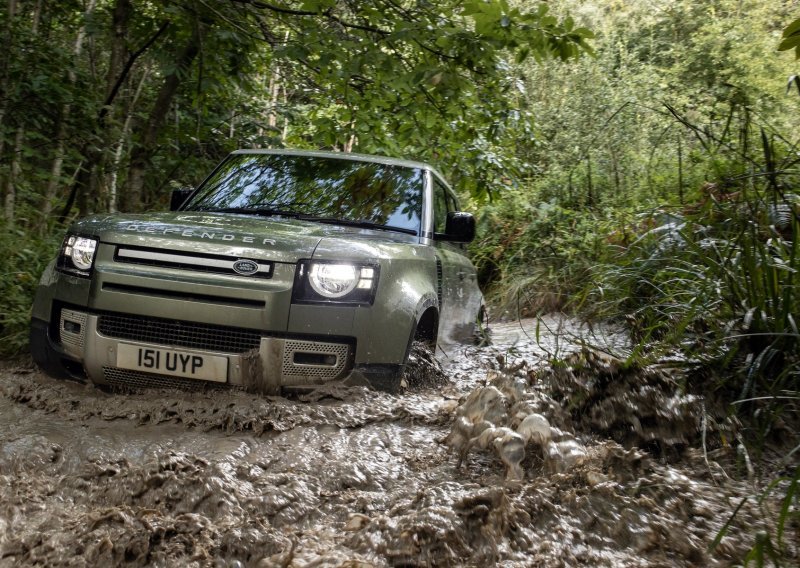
(103, 344)
(247, 327)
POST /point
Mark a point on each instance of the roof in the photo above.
(345, 156)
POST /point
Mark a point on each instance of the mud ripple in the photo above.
(232, 411)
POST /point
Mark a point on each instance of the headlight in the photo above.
(335, 282)
(77, 254)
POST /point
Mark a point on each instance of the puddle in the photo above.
(357, 478)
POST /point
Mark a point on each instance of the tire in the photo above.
(389, 377)
(46, 356)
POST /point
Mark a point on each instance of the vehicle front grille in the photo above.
(123, 378)
(232, 265)
(178, 333)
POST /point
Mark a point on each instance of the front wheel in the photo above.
(44, 354)
(422, 369)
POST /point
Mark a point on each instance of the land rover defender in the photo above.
(282, 269)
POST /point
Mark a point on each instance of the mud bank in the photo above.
(349, 477)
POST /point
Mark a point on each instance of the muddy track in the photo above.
(349, 477)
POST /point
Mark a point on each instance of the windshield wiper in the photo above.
(276, 210)
(352, 223)
(262, 211)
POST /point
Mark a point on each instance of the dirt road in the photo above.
(355, 478)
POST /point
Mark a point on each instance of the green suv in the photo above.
(283, 269)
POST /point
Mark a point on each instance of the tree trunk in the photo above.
(680, 169)
(4, 74)
(590, 186)
(615, 168)
(274, 93)
(13, 175)
(276, 87)
(119, 45)
(37, 15)
(61, 129)
(126, 126)
(142, 152)
(91, 154)
(91, 194)
(19, 140)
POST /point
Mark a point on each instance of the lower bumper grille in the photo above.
(314, 360)
(124, 378)
(72, 332)
(178, 333)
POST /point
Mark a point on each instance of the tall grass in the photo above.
(719, 281)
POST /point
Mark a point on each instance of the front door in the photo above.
(460, 298)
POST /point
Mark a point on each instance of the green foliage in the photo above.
(434, 84)
(718, 280)
(661, 190)
(104, 94)
(533, 256)
(22, 261)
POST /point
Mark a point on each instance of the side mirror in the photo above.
(179, 196)
(460, 227)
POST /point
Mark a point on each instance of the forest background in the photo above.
(632, 160)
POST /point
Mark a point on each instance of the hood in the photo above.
(274, 238)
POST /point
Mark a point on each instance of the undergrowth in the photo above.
(534, 257)
(23, 258)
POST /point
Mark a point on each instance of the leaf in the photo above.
(789, 43)
(471, 8)
(792, 28)
(484, 24)
(724, 530)
(317, 5)
(793, 80)
(787, 504)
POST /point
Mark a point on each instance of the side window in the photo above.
(442, 203)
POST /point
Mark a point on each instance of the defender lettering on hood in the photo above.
(167, 231)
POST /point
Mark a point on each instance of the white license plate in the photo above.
(187, 364)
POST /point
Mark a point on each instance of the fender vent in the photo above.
(439, 281)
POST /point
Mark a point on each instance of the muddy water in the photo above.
(349, 477)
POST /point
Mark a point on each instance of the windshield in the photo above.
(324, 187)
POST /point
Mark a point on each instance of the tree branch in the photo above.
(327, 14)
(278, 9)
(125, 70)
